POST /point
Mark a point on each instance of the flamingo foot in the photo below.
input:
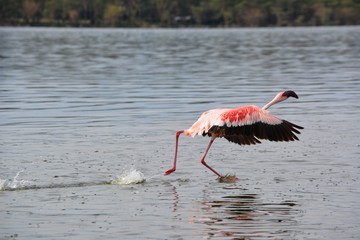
(170, 171)
(227, 179)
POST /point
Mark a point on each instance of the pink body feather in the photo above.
(235, 117)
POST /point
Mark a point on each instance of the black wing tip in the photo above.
(294, 125)
(250, 134)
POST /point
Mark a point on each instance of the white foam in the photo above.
(132, 176)
(3, 184)
(14, 183)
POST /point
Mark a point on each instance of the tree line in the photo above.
(179, 13)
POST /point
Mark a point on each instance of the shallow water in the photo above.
(83, 108)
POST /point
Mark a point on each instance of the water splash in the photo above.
(131, 176)
(15, 183)
(2, 184)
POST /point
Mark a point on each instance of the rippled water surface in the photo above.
(87, 115)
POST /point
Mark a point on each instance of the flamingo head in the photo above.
(281, 96)
(289, 93)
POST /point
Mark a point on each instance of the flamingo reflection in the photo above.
(246, 216)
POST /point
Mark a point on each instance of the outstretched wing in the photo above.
(246, 125)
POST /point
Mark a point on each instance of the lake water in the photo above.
(81, 108)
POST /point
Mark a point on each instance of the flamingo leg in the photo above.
(175, 155)
(203, 157)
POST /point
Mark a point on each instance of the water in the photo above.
(88, 120)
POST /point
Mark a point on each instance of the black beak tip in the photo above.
(290, 93)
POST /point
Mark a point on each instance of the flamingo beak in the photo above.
(290, 94)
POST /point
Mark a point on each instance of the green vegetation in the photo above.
(179, 13)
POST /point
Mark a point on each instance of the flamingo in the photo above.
(244, 126)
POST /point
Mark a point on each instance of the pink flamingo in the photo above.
(244, 126)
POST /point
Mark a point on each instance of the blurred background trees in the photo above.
(179, 13)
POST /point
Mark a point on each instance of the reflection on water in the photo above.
(247, 216)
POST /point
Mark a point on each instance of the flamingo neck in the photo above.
(269, 104)
(278, 98)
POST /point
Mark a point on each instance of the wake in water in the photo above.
(128, 177)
